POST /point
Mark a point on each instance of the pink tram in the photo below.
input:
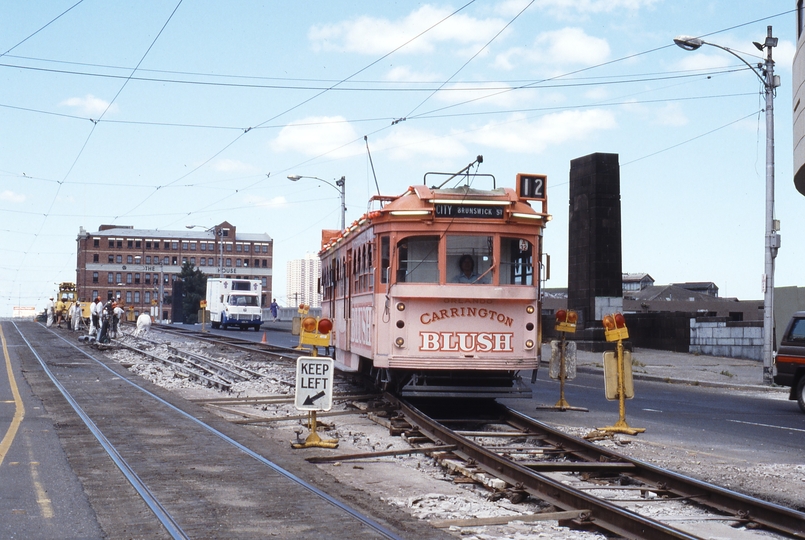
(437, 294)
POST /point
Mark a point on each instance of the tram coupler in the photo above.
(313, 440)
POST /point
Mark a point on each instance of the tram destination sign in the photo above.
(476, 211)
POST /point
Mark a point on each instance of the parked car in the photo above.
(790, 359)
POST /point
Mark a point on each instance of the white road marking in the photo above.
(767, 425)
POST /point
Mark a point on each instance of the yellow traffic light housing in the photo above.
(566, 320)
(615, 327)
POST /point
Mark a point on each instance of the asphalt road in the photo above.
(752, 425)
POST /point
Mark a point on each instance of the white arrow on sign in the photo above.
(314, 383)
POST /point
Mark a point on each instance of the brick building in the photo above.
(140, 266)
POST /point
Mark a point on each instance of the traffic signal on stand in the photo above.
(615, 327)
(566, 320)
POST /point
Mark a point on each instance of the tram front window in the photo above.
(516, 262)
(469, 259)
(419, 260)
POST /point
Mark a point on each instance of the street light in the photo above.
(339, 186)
(764, 72)
(216, 231)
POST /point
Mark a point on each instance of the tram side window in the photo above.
(418, 260)
(479, 250)
(384, 259)
(516, 262)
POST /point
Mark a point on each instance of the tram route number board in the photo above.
(314, 383)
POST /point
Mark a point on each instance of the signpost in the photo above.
(314, 392)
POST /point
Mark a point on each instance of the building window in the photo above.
(112, 243)
(148, 259)
(174, 245)
(229, 248)
(95, 277)
(147, 296)
(166, 245)
(95, 257)
(174, 261)
(265, 248)
(120, 243)
(129, 259)
(193, 246)
(201, 261)
(246, 248)
(147, 279)
(128, 279)
(96, 242)
(111, 259)
(137, 259)
(118, 278)
(136, 297)
(128, 297)
(204, 246)
(229, 262)
(156, 278)
(193, 261)
(239, 248)
(137, 279)
(138, 244)
(110, 278)
(224, 232)
(265, 282)
(238, 262)
(148, 245)
(130, 244)
(95, 294)
(166, 260)
(119, 259)
(245, 262)
(185, 246)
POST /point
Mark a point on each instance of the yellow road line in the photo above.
(19, 412)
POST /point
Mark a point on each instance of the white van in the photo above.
(235, 302)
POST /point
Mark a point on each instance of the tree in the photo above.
(195, 290)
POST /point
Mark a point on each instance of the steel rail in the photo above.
(215, 380)
(366, 520)
(603, 514)
(150, 500)
(742, 507)
(272, 351)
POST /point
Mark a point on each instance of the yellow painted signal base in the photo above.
(565, 327)
(616, 333)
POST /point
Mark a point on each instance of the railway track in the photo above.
(531, 467)
(192, 475)
(535, 459)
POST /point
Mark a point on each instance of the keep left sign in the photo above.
(314, 383)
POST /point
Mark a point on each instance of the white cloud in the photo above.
(519, 135)
(405, 143)
(316, 136)
(671, 115)
(263, 202)
(232, 165)
(12, 196)
(571, 9)
(89, 105)
(368, 35)
(565, 48)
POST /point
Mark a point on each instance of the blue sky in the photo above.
(158, 116)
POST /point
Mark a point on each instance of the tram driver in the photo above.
(467, 274)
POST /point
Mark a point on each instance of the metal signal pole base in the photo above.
(622, 427)
(313, 440)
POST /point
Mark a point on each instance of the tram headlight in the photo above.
(399, 342)
(400, 306)
(529, 310)
(529, 344)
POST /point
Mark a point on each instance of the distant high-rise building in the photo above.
(303, 278)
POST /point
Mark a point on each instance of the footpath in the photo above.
(684, 368)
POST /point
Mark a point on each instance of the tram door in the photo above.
(349, 276)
